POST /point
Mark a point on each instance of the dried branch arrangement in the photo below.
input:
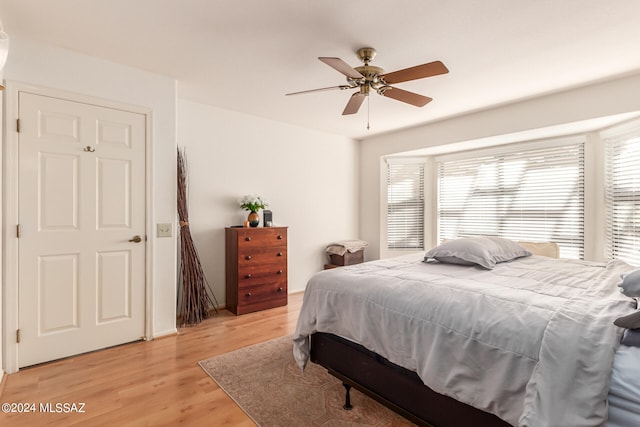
(195, 302)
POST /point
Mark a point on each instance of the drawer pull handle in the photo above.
(280, 289)
(248, 257)
(279, 253)
(279, 236)
(280, 271)
(248, 238)
(248, 276)
(248, 294)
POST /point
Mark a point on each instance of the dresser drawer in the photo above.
(253, 275)
(251, 256)
(263, 237)
(259, 293)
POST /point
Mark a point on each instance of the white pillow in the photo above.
(630, 285)
(482, 251)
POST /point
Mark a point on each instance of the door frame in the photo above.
(10, 210)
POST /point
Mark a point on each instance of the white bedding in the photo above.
(531, 341)
(624, 393)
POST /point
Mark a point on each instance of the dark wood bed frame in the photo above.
(394, 386)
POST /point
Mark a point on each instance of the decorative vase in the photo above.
(254, 219)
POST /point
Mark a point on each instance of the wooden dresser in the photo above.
(256, 268)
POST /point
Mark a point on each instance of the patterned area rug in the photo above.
(266, 383)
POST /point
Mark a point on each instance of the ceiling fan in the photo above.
(367, 77)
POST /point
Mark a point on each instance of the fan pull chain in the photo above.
(368, 103)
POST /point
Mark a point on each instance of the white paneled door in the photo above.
(81, 238)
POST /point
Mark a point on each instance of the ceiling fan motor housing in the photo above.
(370, 73)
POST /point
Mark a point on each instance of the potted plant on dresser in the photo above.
(253, 203)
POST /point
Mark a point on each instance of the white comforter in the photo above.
(531, 341)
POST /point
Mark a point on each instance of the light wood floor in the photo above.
(154, 383)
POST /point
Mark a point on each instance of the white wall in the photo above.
(597, 100)
(309, 178)
(68, 71)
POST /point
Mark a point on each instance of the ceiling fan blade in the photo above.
(354, 103)
(405, 96)
(341, 87)
(418, 72)
(339, 65)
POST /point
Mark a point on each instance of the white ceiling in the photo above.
(244, 55)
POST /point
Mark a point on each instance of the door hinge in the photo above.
(18, 125)
(18, 337)
(18, 231)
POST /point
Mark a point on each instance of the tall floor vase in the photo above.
(196, 297)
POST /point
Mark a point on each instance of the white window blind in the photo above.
(623, 195)
(405, 204)
(531, 195)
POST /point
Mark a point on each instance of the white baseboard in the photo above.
(168, 332)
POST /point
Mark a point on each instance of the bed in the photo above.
(528, 341)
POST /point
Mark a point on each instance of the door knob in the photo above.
(136, 239)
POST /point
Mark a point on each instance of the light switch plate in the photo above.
(164, 230)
